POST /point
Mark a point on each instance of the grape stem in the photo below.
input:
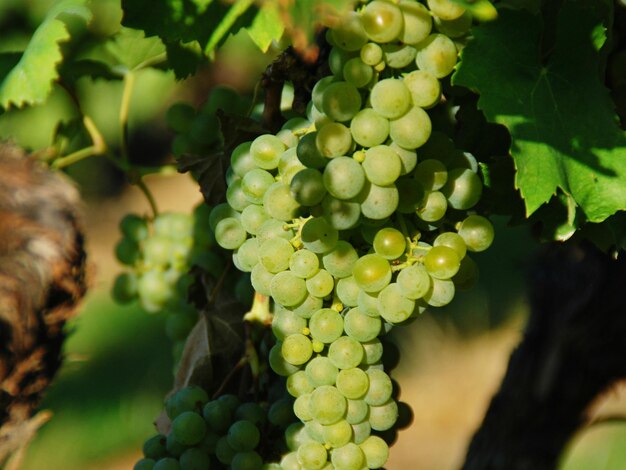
(98, 146)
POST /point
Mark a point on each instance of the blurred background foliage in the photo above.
(118, 361)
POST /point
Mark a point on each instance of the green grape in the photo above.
(409, 195)
(221, 212)
(252, 218)
(266, 150)
(321, 284)
(417, 22)
(217, 416)
(436, 55)
(477, 233)
(333, 140)
(336, 60)
(389, 243)
(246, 461)
(180, 116)
(350, 456)
(308, 153)
(289, 157)
(297, 349)
(154, 447)
(408, 158)
(261, 279)
(376, 451)
(298, 384)
(378, 202)
(290, 462)
(353, 383)
(174, 448)
(348, 291)
(455, 28)
(337, 434)
(321, 371)
(273, 228)
(349, 34)
(371, 53)
(398, 56)
(433, 207)
(361, 327)
(345, 352)
(357, 72)
(144, 464)
(452, 240)
(372, 272)
(302, 407)
(134, 227)
(340, 260)
(288, 289)
(317, 117)
(326, 325)
(369, 128)
(318, 235)
(393, 305)
(252, 412)
(343, 177)
(390, 98)
(286, 322)
(167, 463)
(312, 455)
(230, 401)
(229, 233)
(153, 290)
(467, 275)
(307, 187)
(274, 254)
(441, 292)
(382, 21)
(414, 281)
(127, 251)
(383, 417)
(327, 405)
(361, 431)
(411, 130)
(194, 459)
(204, 130)
(278, 363)
(182, 144)
(281, 413)
(463, 189)
(442, 262)
(431, 174)
(445, 9)
(341, 214)
(124, 288)
(357, 411)
(304, 263)
(308, 307)
(255, 183)
(382, 165)
(380, 387)
(243, 436)
(248, 254)
(241, 160)
(188, 428)
(279, 203)
(373, 351)
(235, 196)
(290, 140)
(341, 101)
(317, 94)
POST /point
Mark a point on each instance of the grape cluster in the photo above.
(357, 219)
(159, 254)
(220, 433)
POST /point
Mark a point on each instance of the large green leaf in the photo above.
(30, 80)
(266, 27)
(565, 135)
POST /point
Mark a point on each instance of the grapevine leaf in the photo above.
(30, 80)
(184, 58)
(133, 50)
(564, 131)
(266, 27)
(239, 9)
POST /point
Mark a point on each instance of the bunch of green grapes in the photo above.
(198, 131)
(159, 254)
(356, 219)
(220, 433)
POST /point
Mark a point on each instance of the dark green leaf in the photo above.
(561, 119)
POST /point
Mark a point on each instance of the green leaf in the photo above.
(564, 131)
(266, 27)
(30, 80)
(239, 8)
(133, 50)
